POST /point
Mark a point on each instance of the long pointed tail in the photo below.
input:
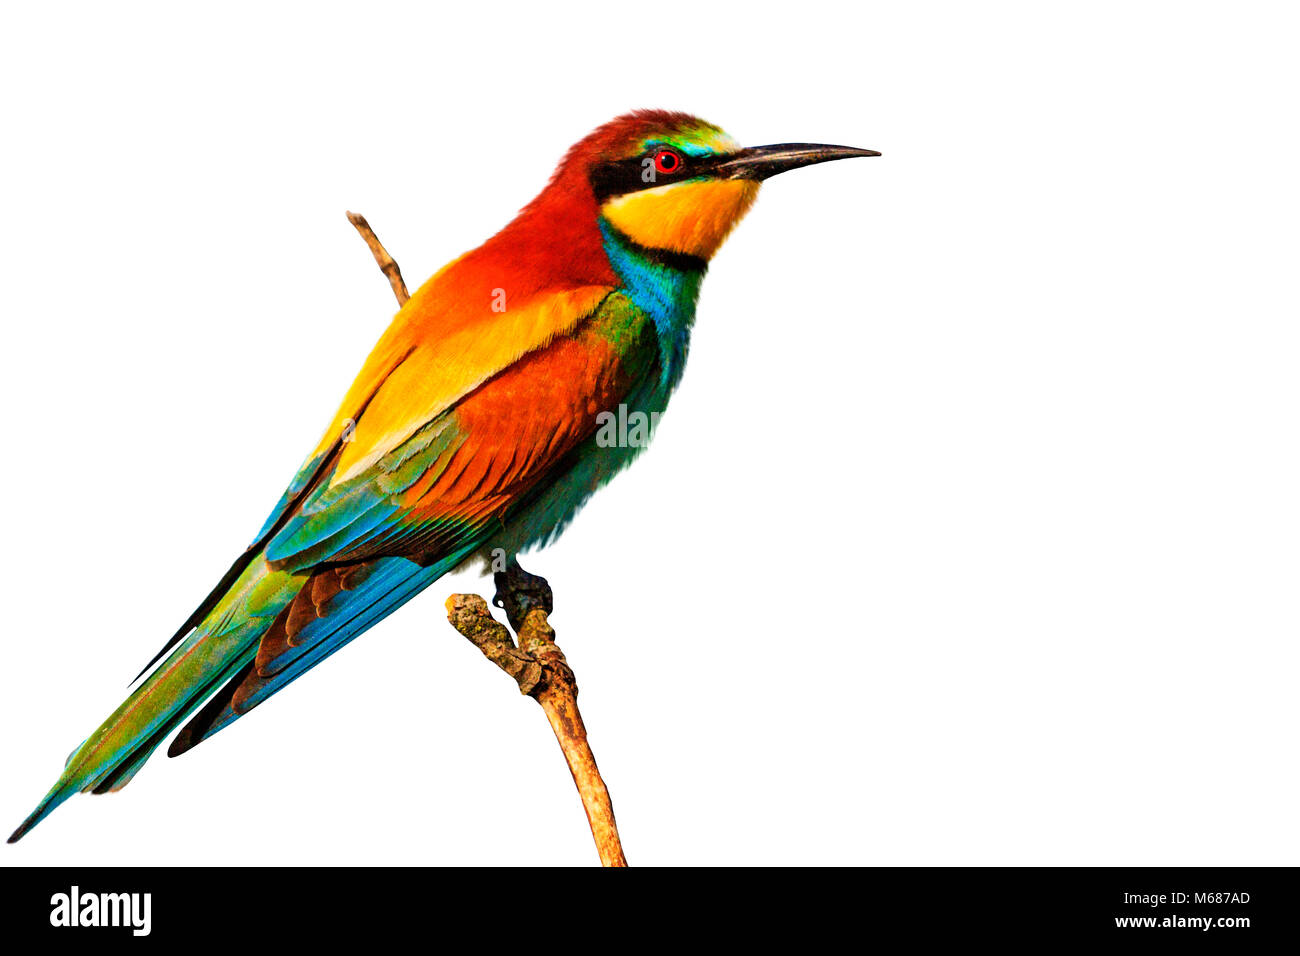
(223, 642)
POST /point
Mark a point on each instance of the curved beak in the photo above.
(761, 162)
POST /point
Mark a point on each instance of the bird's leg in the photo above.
(519, 592)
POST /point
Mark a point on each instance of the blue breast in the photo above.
(666, 291)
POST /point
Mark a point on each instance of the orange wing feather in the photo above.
(440, 347)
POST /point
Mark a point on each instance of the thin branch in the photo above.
(387, 264)
(539, 668)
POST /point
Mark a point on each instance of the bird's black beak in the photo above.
(761, 162)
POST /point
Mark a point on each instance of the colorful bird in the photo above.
(476, 426)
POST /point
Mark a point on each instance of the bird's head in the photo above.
(671, 182)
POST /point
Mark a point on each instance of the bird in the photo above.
(474, 431)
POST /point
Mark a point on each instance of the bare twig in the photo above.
(537, 664)
(386, 262)
(539, 668)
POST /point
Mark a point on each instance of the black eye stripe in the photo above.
(621, 176)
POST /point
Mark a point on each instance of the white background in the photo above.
(972, 535)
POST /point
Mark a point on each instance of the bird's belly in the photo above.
(543, 518)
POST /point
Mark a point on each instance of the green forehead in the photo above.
(699, 141)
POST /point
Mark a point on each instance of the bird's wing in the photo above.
(369, 544)
(435, 353)
(415, 484)
(445, 342)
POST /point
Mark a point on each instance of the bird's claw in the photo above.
(519, 592)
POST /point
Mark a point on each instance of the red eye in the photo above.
(666, 161)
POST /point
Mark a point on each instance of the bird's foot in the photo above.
(519, 592)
